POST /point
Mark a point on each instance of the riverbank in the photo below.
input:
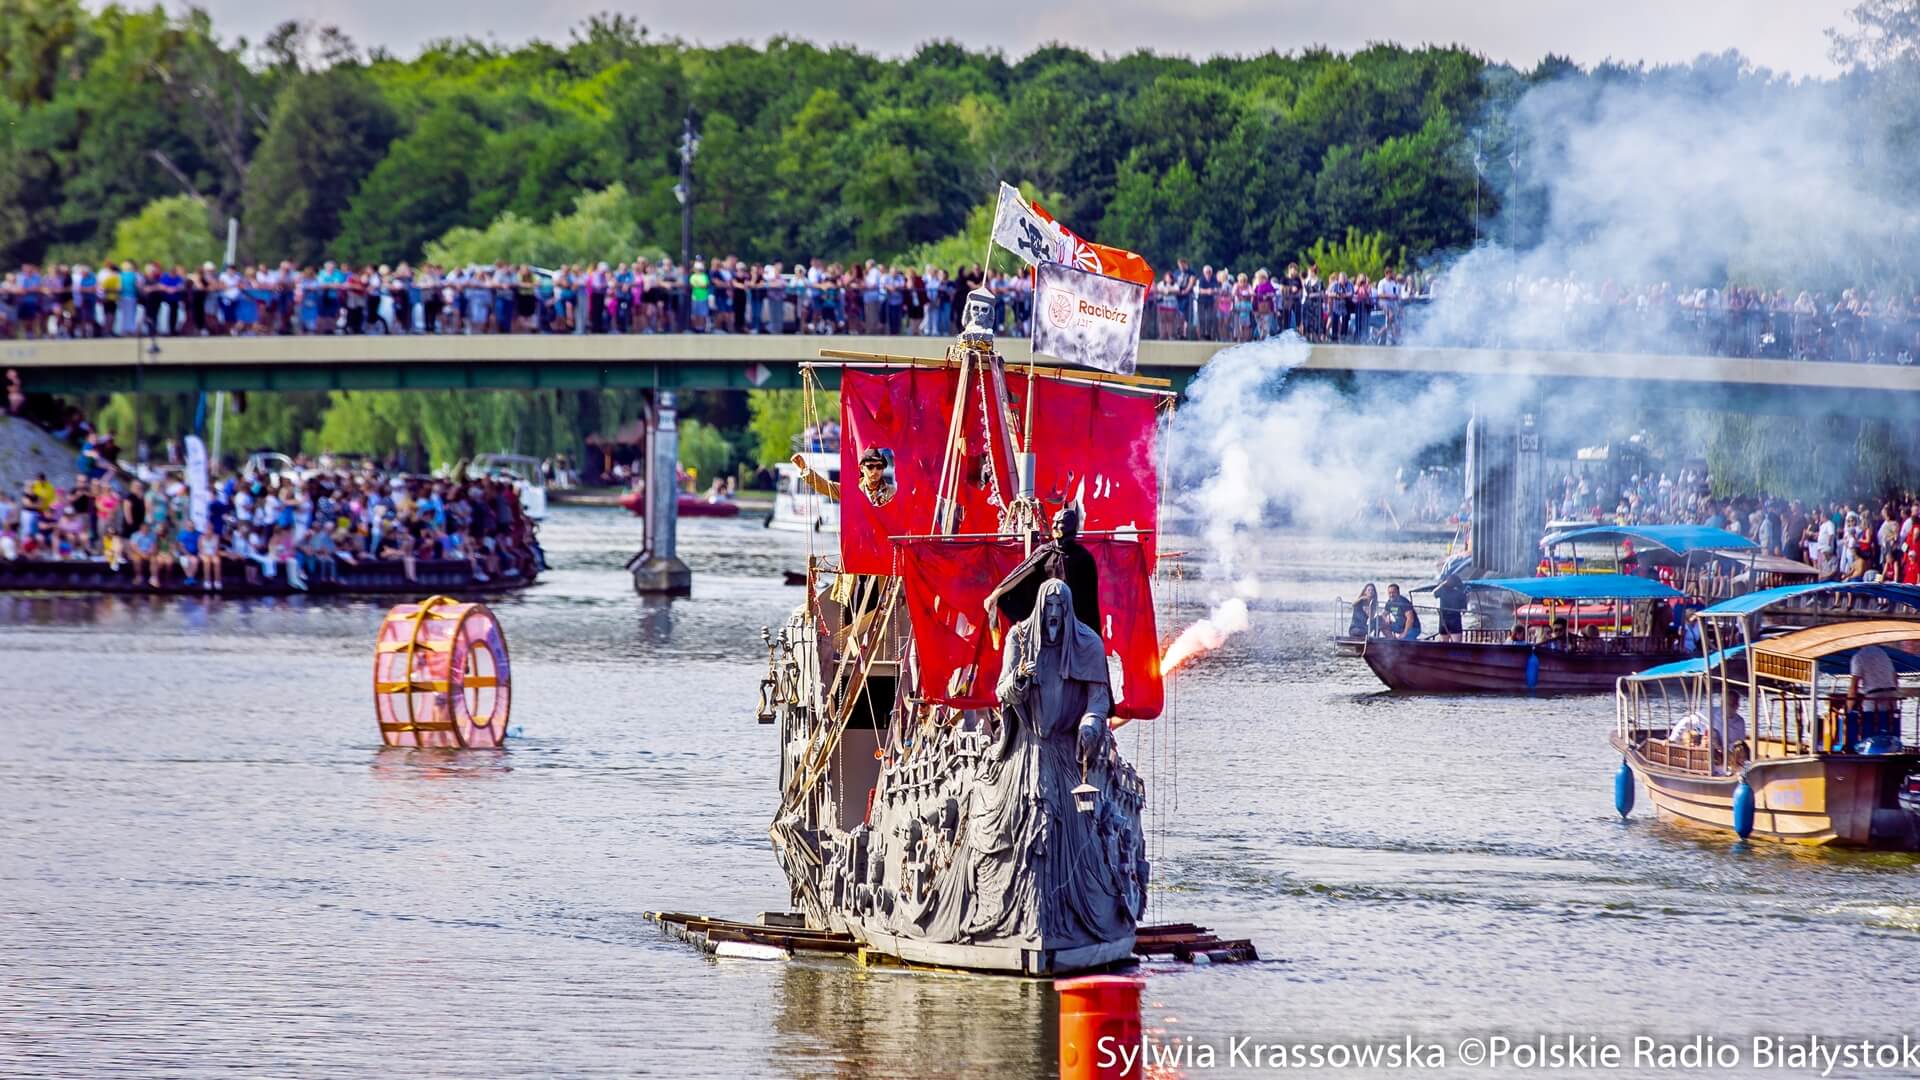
(27, 451)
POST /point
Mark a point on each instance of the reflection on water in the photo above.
(428, 765)
(836, 1019)
(211, 863)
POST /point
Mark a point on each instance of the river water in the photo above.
(210, 864)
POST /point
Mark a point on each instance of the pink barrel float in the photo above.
(440, 676)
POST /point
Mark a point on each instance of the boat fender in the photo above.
(1623, 789)
(1533, 670)
(1743, 809)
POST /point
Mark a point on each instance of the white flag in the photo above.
(1018, 229)
(1087, 319)
(199, 493)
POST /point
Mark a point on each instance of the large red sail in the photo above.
(908, 414)
(958, 654)
(1094, 447)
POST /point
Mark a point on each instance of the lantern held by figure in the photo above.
(440, 676)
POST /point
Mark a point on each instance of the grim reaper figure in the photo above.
(1033, 863)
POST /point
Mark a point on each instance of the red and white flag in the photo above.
(1099, 258)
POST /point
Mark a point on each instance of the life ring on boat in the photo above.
(441, 676)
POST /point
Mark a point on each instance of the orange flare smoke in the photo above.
(1206, 635)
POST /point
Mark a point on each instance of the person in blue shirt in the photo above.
(167, 299)
(1402, 620)
(127, 283)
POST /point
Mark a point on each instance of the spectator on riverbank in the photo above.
(297, 527)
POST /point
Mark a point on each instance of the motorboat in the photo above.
(1613, 625)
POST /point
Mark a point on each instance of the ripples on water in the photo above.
(210, 863)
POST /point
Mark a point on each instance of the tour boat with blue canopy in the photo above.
(1679, 555)
(1801, 737)
(1599, 627)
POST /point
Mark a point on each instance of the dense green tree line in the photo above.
(322, 149)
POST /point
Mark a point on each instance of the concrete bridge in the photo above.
(728, 361)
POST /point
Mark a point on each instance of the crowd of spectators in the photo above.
(640, 297)
(301, 524)
(731, 295)
(1840, 540)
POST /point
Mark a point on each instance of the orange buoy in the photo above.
(440, 675)
(1100, 1027)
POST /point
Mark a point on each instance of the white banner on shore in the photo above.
(1087, 319)
(198, 495)
(1018, 229)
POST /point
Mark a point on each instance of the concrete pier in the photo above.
(657, 570)
(1505, 481)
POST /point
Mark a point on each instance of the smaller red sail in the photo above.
(1094, 446)
(907, 414)
(947, 582)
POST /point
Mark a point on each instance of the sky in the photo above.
(1785, 35)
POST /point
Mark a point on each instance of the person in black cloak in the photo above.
(1062, 559)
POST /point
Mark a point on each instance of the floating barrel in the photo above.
(1623, 789)
(1095, 1008)
(440, 675)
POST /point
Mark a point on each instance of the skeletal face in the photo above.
(1053, 617)
(979, 309)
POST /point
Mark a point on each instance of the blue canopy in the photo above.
(1692, 665)
(1679, 539)
(1839, 663)
(1581, 587)
(1766, 598)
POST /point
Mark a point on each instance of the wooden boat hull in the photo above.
(449, 576)
(1846, 800)
(1430, 666)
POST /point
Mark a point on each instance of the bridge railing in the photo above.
(545, 305)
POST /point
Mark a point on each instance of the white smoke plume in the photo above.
(1700, 177)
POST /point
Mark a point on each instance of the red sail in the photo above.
(1095, 448)
(947, 582)
(908, 414)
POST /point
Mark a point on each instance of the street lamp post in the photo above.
(689, 143)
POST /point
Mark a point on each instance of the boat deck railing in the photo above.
(1778, 726)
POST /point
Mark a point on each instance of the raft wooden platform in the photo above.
(367, 577)
(787, 932)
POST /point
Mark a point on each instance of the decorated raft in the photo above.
(952, 794)
(382, 577)
(784, 934)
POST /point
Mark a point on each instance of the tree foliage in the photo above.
(1356, 255)
(170, 230)
(805, 151)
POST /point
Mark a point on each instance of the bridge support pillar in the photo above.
(657, 570)
(1506, 483)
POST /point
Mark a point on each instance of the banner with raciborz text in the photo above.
(1087, 319)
